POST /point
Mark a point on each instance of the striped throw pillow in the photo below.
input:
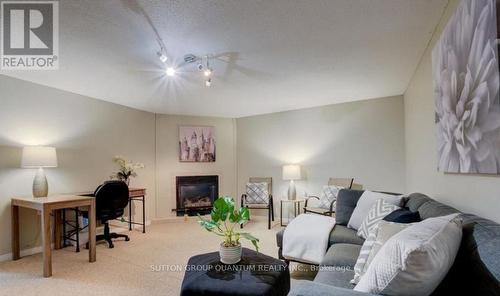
(378, 211)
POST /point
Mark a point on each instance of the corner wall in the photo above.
(478, 194)
(87, 134)
(361, 139)
(167, 158)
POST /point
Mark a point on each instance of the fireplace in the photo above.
(196, 194)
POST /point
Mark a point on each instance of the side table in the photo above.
(296, 208)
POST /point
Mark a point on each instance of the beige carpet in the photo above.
(128, 269)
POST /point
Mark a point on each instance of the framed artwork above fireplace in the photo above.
(197, 144)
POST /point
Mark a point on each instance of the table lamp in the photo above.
(39, 157)
(291, 172)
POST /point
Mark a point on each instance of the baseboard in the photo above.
(25, 252)
(121, 227)
(175, 219)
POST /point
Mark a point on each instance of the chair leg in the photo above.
(269, 217)
(272, 210)
(106, 236)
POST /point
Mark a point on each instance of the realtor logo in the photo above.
(29, 35)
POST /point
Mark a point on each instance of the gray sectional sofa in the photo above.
(476, 270)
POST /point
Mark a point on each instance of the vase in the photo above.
(230, 255)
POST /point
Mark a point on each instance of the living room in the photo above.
(299, 113)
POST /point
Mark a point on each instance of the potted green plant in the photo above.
(224, 222)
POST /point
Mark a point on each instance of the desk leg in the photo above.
(92, 226)
(15, 232)
(57, 229)
(143, 215)
(129, 214)
(47, 252)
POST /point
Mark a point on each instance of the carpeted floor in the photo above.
(129, 268)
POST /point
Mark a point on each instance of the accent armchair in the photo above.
(259, 196)
(327, 209)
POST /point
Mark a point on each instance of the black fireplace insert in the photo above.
(196, 194)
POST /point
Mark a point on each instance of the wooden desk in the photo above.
(46, 205)
(140, 195)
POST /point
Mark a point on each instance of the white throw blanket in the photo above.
(306, 238)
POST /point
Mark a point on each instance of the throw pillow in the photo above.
(403, 216)
(385, 230)
(415, 260)
(379, 210)
(364, 253)
(346, 202)
(377, 237)
(365, 203)
(328, 196)
(257, 193)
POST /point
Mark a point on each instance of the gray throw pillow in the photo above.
(346, 203)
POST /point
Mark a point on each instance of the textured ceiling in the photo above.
(272, 55)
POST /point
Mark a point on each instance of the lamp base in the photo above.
(292, 193)
(40, 185)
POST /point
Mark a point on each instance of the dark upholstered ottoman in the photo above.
(255, 274)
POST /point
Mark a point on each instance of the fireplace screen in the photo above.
(196, 194)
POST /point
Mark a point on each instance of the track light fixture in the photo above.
(162, 54)
(203, 65)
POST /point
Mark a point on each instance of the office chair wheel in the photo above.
(127, 239)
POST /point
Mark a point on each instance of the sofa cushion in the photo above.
(335, 276)
(346, 202)
(301, 288)
(476, 270)
(343, 235)
(339, 235)
(279, 237)
(342, 255)
(415, 260)
(427, 207)
(433, 209)
(415, 200)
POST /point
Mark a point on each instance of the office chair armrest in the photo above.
(309, 197)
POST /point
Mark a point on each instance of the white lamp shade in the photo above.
(39, 157)
(291, 172)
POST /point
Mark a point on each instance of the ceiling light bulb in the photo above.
(208, 72)
(170, 71)
(208, 82)
(162, 56)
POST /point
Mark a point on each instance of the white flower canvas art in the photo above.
(197, 144)
(466, 83)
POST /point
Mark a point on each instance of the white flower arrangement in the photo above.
(127, 169)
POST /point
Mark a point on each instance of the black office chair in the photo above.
(111, 198)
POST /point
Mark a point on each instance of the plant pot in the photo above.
(230, 255)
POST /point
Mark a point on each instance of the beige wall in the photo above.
(476, 194)
(87, 134)
(167, 154)
(362, 139)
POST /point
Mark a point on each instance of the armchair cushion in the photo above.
(257, 193)
(328, 196)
